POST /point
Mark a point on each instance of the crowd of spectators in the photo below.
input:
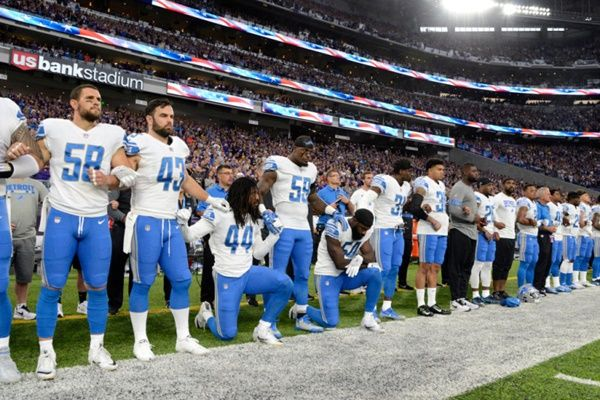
(581, 118)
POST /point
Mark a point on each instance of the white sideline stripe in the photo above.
(582, 381)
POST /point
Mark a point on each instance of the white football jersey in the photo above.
(586, 216)
(486, 210)
(435, 197)
(595, 232)
(73, 152)
(388, 205)
(11, 117)
(572, 213)
(231, 244)
(290, 191)
(531, 213)
(333, 229)
(161, 171)
(556, 217)
(357, 196)
(505, 208)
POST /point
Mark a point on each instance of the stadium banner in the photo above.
(270, 79)
(429, 138)
(27, 61)
(209, 96)
(369, 127)
(281, 38)
(296, 113)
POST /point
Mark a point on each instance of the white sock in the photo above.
(46, 345)
(264, 324)
(555, 281)
(475, 272)
(420, 297)
(138, 322)
(368, 314)
(485, 293)
(386, 305)
(547, 281)
(96, 341)
(431, 301)
(486, 275)
(4, 342)
(182, 324)
(582, 276)
(475, 292)
(301, 309)
(575, 275)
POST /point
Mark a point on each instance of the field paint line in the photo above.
(575, 379)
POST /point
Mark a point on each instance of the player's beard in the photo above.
(355, 234)
(89, 115)
(165, 131)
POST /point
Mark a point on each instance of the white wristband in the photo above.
(24, 166)
(330, 210)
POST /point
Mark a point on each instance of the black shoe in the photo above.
(504, 295)
(424, 311)
(435, 309)
(113, 311)
(406, 287)
(252, 301)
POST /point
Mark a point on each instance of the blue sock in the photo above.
(5, 314)
(47, 312)
(138, 299)
(596, 268)
(180, 297)
(97, 311)
(563, 278)
(569, 279)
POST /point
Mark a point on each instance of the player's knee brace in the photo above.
(180, 294)
(138, 299)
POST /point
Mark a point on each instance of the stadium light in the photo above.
(468, 6)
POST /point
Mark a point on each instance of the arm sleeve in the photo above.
(379, 182)
(262, 247)
(197, 231)
(415, 207)
(270, 164)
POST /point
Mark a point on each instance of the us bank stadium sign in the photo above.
(27, 61)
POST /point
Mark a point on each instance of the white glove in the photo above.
(354, 266)
(125, 175)
(183, 216)
(218, 204)
(375, 265)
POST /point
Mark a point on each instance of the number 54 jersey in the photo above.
(74, 151)
(290, 191)
(161, 171)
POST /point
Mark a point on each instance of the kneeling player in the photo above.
(340, 267)
(234, 239)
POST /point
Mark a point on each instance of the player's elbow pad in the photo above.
(367, 199)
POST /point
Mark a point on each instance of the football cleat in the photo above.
(457, 305)
(467, 303)
(368, 322)
(435, 309)
(8, 369)
(391, 314)
(551, 290)
(585, 284)
(82, 307)
(142, 350)
(424, 311)
(265, 335)
(305, 324)
(276, 331)
(22, 312)
(595, 282)
(478, 301)
(491, 300)
(190, 345)
(204, 314)
(563, 289)
(576, 286)
(46, 366)
(100, 357)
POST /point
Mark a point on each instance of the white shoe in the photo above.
(585, 284)
(456, 305)
(82, 307)
(467, 303)
(102, 358)
(265, 335)
(204, 314)
(190, 345)
(8, 369)
(142, 350)
(369, 323)
(577, 285)
(59, 310)
(46, 366)
(22, 312)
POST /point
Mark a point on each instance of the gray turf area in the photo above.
(421, 358)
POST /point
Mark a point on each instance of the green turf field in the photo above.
(540, 382)
(72, 339)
